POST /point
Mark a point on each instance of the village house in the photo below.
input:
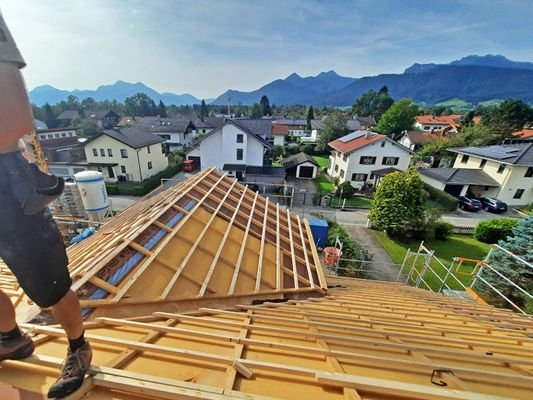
(501, 171)
(237, 147)
(67, 116)
(178, 133)
(126, 154)
(432, 123)
(105, 119)
(414, 140)
(300, 165)
(362, 157)
(208, 124)
(280, 133)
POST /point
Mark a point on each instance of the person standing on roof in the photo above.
(30, 243)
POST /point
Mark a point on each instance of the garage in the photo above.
(195, 159)
(301, 166)
(454, 190)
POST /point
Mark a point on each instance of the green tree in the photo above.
(89, 104)
(255, 111)
(519, 273)
(310, 116)
(399, 117)
(50, 117)
(398, 203)
(510, 116)
(88, 128)
(203, 110)
(373, 103)
(334, 128)
(265, 106)
(140, 104)
(162, 109)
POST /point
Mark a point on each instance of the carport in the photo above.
(461, 181)
(301, 166)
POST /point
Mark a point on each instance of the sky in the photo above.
(205, 47)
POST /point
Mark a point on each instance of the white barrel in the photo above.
(92, 190)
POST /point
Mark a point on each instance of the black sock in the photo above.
(15, 333)
(75, 344)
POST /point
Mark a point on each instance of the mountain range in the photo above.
(473, 79)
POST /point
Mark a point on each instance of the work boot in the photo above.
(75, 367)
(16, 349)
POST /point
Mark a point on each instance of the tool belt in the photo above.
(32, 188)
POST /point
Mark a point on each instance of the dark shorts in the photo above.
(33, 249)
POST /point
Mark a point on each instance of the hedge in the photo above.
(144, 187)
(495, 229)
(444, 200)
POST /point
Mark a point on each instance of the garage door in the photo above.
(196, 161)
(454, 190)
(306, 172)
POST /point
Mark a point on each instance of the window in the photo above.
(518, 194)
(465, 158)
(359, 177)
(342, 173)
(501, 168)
(239, 154)
(367, 160)
(102, 152)
(124, 153)
(56, 135)
(99, 169)
(123, 169)
(336, 168)
(148, 149)
(426, 128)
(371, 176)
(383, 144)
(50, 136)
(95, 152)
(110, 152)
(345, 158)
(529, 172)
(63, 135)
(240, 138)
(149, 165)
(482, 163)
(390, 160)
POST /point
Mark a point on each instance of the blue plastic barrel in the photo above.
(319, 229)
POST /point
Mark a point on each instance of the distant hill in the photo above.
(489, 60)
(291, 90)
(117, 91)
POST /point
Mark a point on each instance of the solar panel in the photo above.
(352, 136)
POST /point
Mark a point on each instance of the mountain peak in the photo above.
(328, 73)
(293, 76)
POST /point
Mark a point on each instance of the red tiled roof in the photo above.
(524, 133)
(279, 129)
(419, 137)
(477, 119)
(441, 120)
(352, 145)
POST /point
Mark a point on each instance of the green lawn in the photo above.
(358, 202)
(322, 161)
(323, 186)
(456, 246)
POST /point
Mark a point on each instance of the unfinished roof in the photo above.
(365, 340)
(208, 241)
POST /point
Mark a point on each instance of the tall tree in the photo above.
(49, 116)
(204, 113)
(310, 116)
(265, 106)
(399, 117)
(140, 104)
(373, 103)
(510, 116)
(255, 111)
(334, 128)
(398, 203)
(162, 109)
(519, 273)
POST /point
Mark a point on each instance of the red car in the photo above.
(189, 166)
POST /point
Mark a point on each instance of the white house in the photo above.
(414, 140)
(176, 132)
(436, 123)
(363, 156)
(126, 154)
(501, 171)
(231, 148)
(280, 133)
(57, 133)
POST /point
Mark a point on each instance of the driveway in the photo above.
(304, 190)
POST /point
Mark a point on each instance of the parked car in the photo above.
(469, 203)
(189, 165)
(493, 205)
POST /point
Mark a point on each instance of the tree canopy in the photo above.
(510, 116)
(255, 111)
(373, 103)
(203, 110)
(398, 203)
(334, 128)
(265, 106)
(140, 104)
(310, 116)
(399, 117)
(162, 109)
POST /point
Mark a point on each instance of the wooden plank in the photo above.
(231, 373)
(307, 264)
(316, 257)
(279, 280)
(200, 237)
(213, 265)
(294, 270)
(243, 247)
(261, 252)
(103, 285)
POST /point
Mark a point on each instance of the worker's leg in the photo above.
(67, 312)
(7, 314)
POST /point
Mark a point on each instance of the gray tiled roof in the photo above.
(514, 154)
(157, 124)
(317, 124)
(69, 114)
(459, 176)
(292, 122)
(135, 137)
(258, 127)
(298, 159)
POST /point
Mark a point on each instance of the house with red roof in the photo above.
(280, 133)
(524, 134)
(433, 123)
(362, 157)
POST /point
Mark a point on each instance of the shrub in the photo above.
(307, 148)
(346, 189)
(494, 229)
(445, 200)
(112, 188)
(443, 230)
